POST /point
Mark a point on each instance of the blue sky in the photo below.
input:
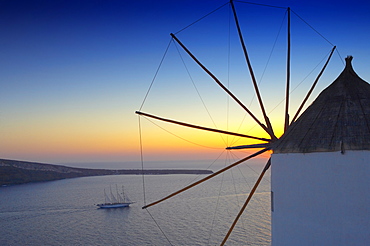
(74, 72)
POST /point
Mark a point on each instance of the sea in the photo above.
(64, 212)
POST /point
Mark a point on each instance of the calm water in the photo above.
(64, 212)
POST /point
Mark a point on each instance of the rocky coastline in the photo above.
(14, 172)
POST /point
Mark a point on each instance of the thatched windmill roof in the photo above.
(338, 120)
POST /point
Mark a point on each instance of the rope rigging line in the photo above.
(291, 92)
(313, 85)
(313, 28)
(200, 127)
(235, 191)
(209, 177)
(220, 84)
(156, 73)
(143, 179)
(234, 141)
(168, 240)
(299, 84)
(270, 55)
(226, 161)
(279, 33)
(246, 180)
(340, 57)
(250, 187)
(268, 127)
(272, 52)
(256, 198)
(198, 93)
(228, 76)
(222, 7)
(249, 167)
(209, 166)
(267, 166)
(142, 159)
(216, 208)
(260, 4)
(202, 18)
(173, 134)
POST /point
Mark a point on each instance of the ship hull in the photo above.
(116, 205)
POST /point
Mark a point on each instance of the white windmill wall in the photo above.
(321, 198)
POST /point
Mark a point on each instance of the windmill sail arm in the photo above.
(267, 166)
(223, 87)
(200, 127)
(267, 120)
(250, 146)
(286, 121)
(208, 177)
(313, 85)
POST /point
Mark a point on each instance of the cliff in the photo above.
(19, 172)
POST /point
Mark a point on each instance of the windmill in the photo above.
(282, 149)
(323, 157)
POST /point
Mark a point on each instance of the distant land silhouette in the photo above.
(19, 172)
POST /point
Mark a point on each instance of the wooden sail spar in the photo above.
(200, 127)
(224, 88)
(286, 121)
(208, 177)
(313, 86)
(269, 129)
(267, 166)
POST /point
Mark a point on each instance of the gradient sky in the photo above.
(73, 73)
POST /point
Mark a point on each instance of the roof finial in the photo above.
(349, 62)
(349, 59)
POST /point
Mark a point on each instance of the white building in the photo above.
(320, 171)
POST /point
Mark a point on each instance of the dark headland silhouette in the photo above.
(20, 172)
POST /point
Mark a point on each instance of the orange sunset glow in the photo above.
(70, 89)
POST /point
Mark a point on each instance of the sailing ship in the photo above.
(115, 201)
